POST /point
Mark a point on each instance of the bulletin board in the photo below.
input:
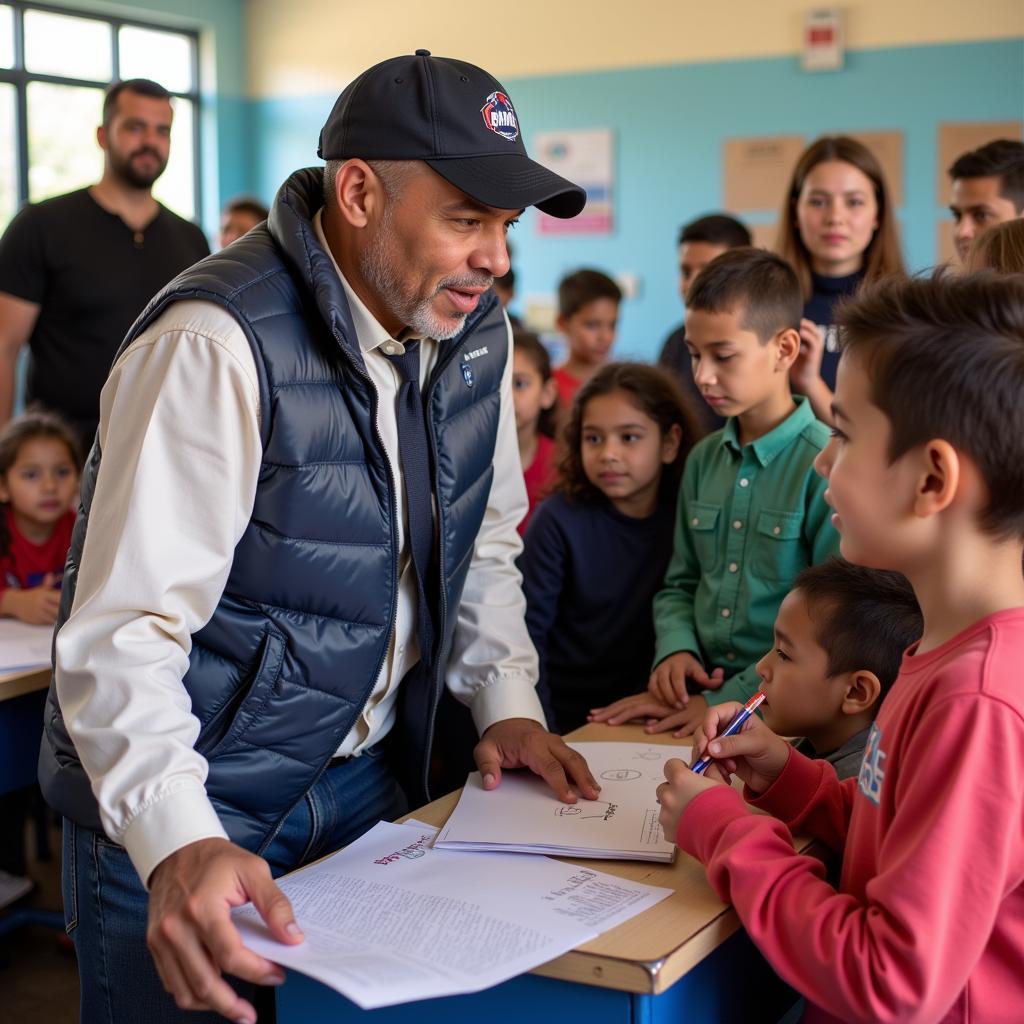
(757, 170)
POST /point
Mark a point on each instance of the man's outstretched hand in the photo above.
(524, 743)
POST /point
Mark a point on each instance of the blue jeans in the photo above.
(105, 904)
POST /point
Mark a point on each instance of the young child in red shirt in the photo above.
(39, 467)
(535, 397)
(925, 475)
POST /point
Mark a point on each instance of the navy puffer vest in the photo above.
(282, 670)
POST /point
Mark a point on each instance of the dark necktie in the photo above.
(414, 453)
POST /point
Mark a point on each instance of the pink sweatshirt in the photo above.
(928, 922)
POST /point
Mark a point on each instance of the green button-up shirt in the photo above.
(749, 519)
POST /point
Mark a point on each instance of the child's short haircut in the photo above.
(863, 618)
(715, 229)
(761, 284)
(583, 287)
(945, 359)
(1002, 159)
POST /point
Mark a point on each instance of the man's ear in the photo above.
(787, 343)
(358, 193)
(863, 691)
(101, 137)
(938, 478)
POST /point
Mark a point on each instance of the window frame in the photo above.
(20, 77)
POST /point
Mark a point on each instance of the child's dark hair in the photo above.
(585, 286)
(656, 394)
(1002, 159)
(944, 357)
(863, 618)
(760, 284)
(716, 229)
(27, 427)
(533, 348)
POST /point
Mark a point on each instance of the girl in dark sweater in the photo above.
(597, 549)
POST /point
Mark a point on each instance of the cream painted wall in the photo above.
(311, 46)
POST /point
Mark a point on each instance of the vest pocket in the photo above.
(779, 551)
(702, 520)
(229, 724)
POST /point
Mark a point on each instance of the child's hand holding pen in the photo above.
(754, 753)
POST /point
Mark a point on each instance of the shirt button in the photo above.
(731, 656)
(737, 524)
(726, 613)
(776, 530)
(400, 649)
(695, 521)
(744, 482)
(733, 567)
(392, 348)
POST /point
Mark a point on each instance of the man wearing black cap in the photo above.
(299, 524)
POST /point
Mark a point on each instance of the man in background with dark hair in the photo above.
(988, 189)
(239, 216)
(700, 242)
(77, 269)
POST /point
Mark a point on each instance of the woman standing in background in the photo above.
(838, 230)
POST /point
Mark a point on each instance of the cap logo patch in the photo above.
(500, 116)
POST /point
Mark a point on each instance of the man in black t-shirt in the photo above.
(76, 270)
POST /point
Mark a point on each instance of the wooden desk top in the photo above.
(14, 684)
(650, 952)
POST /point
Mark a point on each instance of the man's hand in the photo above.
(190, 933)
(755, 753)
(524, 743)
(37, 606)
(675, 794)
(668, 680)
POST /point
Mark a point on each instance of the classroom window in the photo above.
(54, 67)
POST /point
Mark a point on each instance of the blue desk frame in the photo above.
(733, 985)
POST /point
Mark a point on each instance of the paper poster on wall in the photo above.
(764, 236)
(586, 158)
(960, 137)
(757, 171)
(888, 150)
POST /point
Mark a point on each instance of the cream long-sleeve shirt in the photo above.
(179, 429)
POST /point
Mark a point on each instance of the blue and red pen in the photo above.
(733, 727)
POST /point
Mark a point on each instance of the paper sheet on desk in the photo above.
(389, 920)
(23, 646)
(523, 815)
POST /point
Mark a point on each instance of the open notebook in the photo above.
(522, 815)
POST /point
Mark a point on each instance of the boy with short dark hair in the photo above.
(988, 189)
(925, 474)
(700, 242)
(751, 509)
(588, 315)
(839, 639)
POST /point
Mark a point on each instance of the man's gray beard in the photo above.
(378, 269)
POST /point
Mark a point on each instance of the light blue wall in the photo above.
(670, 123)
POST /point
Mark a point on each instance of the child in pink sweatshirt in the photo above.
(926, 476)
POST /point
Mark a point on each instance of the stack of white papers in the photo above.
(23, 646)
(524, 816)
(389, 920)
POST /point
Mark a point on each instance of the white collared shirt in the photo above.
(180, 433)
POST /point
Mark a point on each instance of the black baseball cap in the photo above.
(454, 117)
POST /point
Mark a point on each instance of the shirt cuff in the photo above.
(705, 819)
(166, 825)
(506, 697)
(676, 640)
(791, 793)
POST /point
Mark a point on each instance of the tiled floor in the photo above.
(38, 975)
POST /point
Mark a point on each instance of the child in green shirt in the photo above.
(751, 511)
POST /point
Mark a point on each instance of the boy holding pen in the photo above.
(925, 474)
